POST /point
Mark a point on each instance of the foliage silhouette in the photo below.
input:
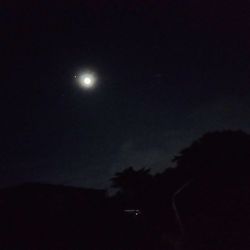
(216, 153)
(132, 180)
(214, 203)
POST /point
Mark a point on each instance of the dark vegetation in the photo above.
(203, 203)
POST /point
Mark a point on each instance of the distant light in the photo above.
(133, 211)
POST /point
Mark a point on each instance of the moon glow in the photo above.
(87, 80)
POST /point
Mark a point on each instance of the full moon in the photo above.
(86, 80)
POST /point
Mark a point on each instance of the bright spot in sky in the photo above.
(87, 80)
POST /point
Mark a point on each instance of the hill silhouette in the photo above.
(41, 216)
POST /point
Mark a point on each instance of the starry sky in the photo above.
(168, 71)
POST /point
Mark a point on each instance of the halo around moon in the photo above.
(87, 80)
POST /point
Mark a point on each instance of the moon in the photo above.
(87, 80)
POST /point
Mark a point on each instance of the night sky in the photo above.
(167, 73)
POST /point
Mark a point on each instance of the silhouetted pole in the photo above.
(175, 208)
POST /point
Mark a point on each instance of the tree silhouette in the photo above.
(222, 152)
(205, 194)
(132, 182)
(214, 199)
(153, 196)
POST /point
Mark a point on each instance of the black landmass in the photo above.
(203, 203)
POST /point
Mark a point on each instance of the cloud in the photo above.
(157, 151)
